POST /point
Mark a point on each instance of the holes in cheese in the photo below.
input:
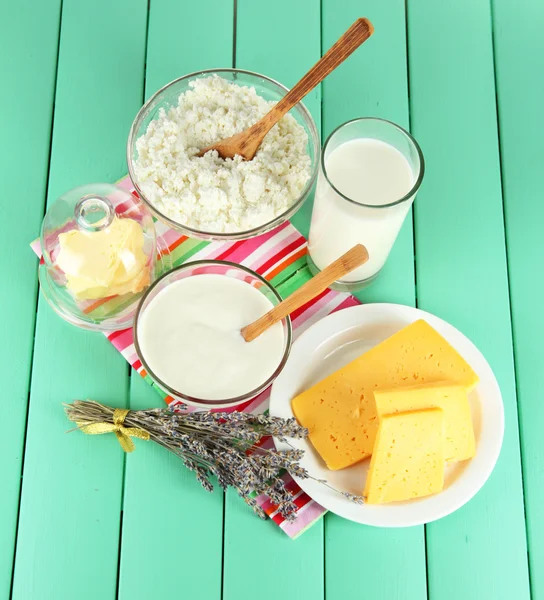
(459, 441)
(343, 403)
(408, 458)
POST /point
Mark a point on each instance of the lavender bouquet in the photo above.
(224, 446)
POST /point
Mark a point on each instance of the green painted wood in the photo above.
(180, 42)
(167, 516)
(31, 34)
(519, 58)
(260, 560)
(72, 492)
(373, 83)
(72, 484)
(479, 551)
(364, 561)
(172, 529)
(266, 50)
(284, 49)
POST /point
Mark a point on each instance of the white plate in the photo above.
(336, 340)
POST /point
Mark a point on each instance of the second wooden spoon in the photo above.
(247, 142)
(349, 261)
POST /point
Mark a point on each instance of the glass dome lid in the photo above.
(99, 252)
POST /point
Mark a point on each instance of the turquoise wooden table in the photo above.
(78, 518)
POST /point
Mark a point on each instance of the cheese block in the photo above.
(408, 459)
(340, 412)
(459, 441)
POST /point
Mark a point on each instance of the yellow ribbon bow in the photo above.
(123, 433)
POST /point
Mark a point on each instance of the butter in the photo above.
(340, 411)
(408, 459)
(104, 263)
(82, 289)
(459, 441)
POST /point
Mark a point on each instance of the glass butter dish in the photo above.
(99, 251)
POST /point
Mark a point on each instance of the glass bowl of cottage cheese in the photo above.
(209, 197)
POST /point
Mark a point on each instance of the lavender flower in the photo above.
(221, 446)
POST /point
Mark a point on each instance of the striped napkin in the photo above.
(280, 257)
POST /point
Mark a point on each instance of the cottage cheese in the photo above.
(208, 193)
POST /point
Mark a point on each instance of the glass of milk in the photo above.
(370, 172)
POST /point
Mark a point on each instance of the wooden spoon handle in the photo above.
(359, 32)
(349, 261)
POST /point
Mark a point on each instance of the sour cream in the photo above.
(189, 337)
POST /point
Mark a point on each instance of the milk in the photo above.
(368, 172)
(189, 337)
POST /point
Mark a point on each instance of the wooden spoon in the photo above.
(349, 261)
(247, 142)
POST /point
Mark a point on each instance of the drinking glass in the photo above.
(340, 222)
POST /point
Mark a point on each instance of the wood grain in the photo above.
(519, 55)
(455, 121)
(246, 143)
(167, 516)
(72, 484)
(71, 496)
(24, 156)
(299, 563)
(374, 82)
(349, 261)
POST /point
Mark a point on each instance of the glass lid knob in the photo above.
(94, 213)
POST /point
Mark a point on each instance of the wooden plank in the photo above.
(206, 42)
(519, 55)
(373, 82)
(462, 277)
(283, 50)
(167, 515)
(72, 484)
(32, 75)
(254, 53)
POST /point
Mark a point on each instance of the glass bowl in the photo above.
(269, 89)
(99, 248)
(227, 269)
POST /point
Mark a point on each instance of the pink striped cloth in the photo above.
(279, 256)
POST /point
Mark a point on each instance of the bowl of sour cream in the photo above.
(187, 334)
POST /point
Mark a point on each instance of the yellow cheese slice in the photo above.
(408, 459)
(340, 410)
(459, 441)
